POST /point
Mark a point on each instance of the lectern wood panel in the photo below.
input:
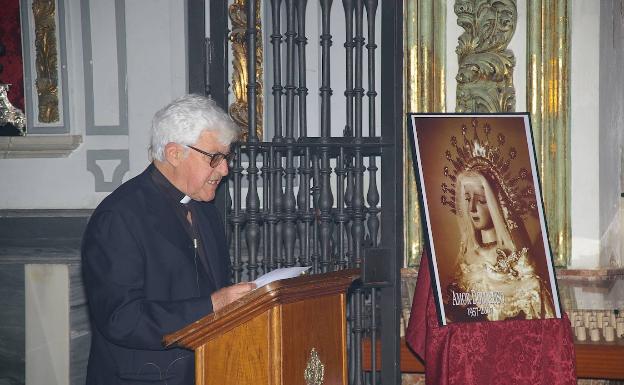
(240, 356)
(276, 335)
(321, 316)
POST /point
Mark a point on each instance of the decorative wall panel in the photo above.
(96, 163)
(45, 66)
(95, 96)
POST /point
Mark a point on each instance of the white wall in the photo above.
(154, 58)
(584, 134)
(611, 123)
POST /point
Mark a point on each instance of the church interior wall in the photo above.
(611, 132)
(584, 142)
(154, 34)
(128, 86)
(151, 71)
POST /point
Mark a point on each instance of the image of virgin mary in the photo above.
(495, 276)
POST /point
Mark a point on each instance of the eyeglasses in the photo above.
(215, 158)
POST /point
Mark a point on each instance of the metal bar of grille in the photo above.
(305, 211)
(303, 194)
(341, 217)
(252, 232)
(348, 202)
(272, 218)
(266, 211)
(348, 10)
(372, 196)
(289, 216)
(290, 69)
(276, 40)
(278, 202)
(392, 169)
(358, 193)
(316, 193)
(325, 199)
(302, 91)
(325, 66)
(236, 217)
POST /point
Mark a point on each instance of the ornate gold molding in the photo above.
(44, 14)
(548, 101)
(315, 370)
(425, 26)
(238, 109)
(9, 114)
(485, 76)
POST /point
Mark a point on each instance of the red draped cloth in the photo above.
(11, 39)
(518, 352)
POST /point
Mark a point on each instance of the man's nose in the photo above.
(223, 167)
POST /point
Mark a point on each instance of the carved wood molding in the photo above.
(485, 75)
(239, 108)
(44, 14)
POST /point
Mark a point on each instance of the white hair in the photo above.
(185, 119)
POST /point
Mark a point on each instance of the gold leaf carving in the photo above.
(315, 370)
(44, 12)
(240, 78)
(425, 69)
(485, 76)
(9, 114)
(548, 101)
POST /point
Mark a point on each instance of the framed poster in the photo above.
(485, 227)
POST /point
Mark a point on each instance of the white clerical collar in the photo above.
(185, 200)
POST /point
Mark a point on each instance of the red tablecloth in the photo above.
(536, 352)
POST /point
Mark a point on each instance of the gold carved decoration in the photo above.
(240, 78)
(44, 14)
(315, 370)
(548, 101)
(9, 114)
(425, 26)
(485, 76)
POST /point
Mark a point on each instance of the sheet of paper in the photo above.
(277, 274)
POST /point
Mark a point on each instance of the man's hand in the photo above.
(230, 294)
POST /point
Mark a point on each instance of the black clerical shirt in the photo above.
(190, 224)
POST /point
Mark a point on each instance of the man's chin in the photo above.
(203, 197)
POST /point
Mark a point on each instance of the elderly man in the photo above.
(154, 252)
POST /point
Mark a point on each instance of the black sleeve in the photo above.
(113, 269)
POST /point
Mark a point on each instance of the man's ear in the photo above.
(174, 153)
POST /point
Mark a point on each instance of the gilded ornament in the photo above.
(479, 152)
(485, 76)
(46, 63)
(425, 47)
(548, 101)
(315, 370)
(240, 78)
(9, 114)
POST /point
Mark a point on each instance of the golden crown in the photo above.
(514, 192)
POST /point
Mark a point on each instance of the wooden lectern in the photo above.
(288, 332)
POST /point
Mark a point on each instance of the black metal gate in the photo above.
(328, 202)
